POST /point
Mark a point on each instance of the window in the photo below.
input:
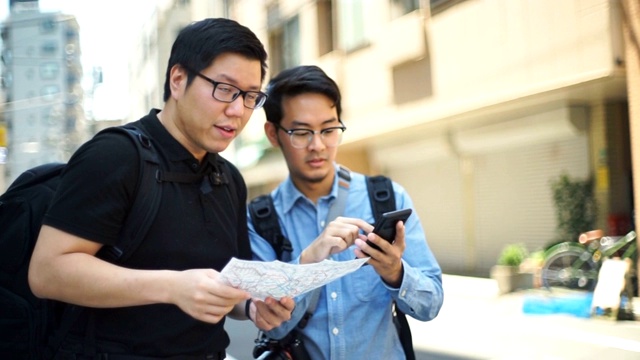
(284, 45)
(49, 48)
(48, 26)
(402, 7)
(49, 70)
(7, 80)
(49, 92)
(7, 57)
(72, 79)
(352, 25)
(72, 34)
(48, 118)
(70, 123)
(325, 27)
(438, 6)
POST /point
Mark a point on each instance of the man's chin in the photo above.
(314, 180)
(316, 175)
(218, 146)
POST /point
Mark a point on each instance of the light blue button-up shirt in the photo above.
(353, 317)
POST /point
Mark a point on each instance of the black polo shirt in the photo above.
(191, 230)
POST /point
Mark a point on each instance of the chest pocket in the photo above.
(366, 284)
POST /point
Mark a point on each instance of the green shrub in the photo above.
(575, 207)
(513, 255)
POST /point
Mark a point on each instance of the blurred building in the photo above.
(474, 106)
(148, 65)
(41, 81)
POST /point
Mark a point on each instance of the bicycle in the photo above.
(575, 265)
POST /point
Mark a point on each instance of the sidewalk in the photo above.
(478, 323)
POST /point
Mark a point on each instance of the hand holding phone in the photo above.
(385, 225)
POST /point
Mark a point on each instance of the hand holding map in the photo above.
(278, 279)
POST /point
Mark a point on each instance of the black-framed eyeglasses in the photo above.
(228, 93)
(301, 138)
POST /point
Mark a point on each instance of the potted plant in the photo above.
(507, 270)
(531, 267)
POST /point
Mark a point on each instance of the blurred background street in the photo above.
(509, 122)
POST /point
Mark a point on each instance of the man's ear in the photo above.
(177, 81)
(272, 133)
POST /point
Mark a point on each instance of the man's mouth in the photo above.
(316, 161)
(227, 131)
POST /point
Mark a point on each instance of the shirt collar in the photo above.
(290, 195)
(174, 150)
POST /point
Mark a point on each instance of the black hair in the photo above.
(200, 43)
(295, 81)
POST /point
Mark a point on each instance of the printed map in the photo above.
(278, 279)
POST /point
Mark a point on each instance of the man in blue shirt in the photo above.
(353, 316)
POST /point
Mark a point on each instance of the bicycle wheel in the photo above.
(570, 268)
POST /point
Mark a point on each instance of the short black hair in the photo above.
(201, 42)
(295, 81)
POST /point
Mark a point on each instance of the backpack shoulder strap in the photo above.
(381, 195)
(147, 200)
(265, 221)
(382, 200)
(224, 176)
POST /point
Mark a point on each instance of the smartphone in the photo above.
(385, 226)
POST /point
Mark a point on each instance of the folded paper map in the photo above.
(279, 279)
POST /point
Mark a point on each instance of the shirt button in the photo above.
(335, 331)
(334, 295)
(404, 293)
(322, 223)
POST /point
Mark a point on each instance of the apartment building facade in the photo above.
(148, 64)
(41, 74)
(474, 106)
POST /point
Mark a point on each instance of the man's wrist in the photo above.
(303, 257)
(247, 309)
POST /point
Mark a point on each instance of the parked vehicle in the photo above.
(575, 265)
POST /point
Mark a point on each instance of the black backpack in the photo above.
(382, 199)
(27, 323)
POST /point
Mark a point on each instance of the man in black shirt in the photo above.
(167, 300)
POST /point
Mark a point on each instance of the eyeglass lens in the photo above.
(302, 138)
(228, 93)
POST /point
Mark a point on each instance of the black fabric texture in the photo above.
(198, 225)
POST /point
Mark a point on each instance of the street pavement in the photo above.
(476, 323)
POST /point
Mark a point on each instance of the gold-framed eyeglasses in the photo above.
(301, 138)
(228, 93)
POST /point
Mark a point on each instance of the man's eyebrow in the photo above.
(228, 79)
(304, 124)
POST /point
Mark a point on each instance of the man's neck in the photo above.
(167, 119)
(314, 190)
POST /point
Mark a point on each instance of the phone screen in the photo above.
(385, 225)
